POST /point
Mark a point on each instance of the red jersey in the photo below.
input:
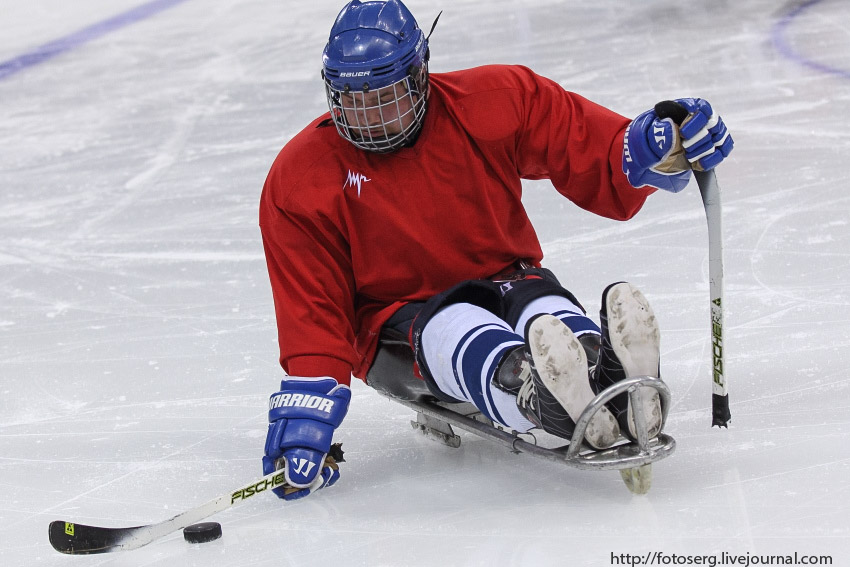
(350, 236)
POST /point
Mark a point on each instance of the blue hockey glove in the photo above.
(302, 419)
(704, 135)
(658, 153)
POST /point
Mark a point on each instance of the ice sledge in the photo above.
(391, 375)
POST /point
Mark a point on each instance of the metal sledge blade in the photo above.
(436, 429)
(638, 480)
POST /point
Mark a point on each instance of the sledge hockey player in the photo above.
(400, 211)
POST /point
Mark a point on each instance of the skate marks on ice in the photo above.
(121, 353)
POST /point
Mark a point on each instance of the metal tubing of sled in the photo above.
(632, 387)
(622, 456)
(639, 417)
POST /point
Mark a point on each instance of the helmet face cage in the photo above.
(384, 119)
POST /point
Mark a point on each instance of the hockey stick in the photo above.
(79, 539)
(710, 191)
(72, 538)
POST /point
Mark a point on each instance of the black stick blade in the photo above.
(720, 414)
(79, 539)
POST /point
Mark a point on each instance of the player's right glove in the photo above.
(658, 153)
(302, 419)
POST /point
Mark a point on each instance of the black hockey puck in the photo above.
(202, 533)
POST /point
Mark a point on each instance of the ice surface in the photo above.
(137, 338)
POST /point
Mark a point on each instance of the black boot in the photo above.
(549, 377)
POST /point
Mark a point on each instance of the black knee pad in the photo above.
(520, 288)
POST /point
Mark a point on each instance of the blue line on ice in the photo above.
(788, 51)
(78, 38)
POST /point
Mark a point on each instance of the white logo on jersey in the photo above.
(318, 403)
(355, 179)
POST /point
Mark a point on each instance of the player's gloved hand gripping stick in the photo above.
(710, 191)
(302, 419)
(660, 149)
(79, 539)
(299, 459)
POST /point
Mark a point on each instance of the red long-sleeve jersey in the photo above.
(350, 235)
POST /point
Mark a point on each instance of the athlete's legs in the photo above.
(463, 345)
(472, 355)
(572, 316)
(562, 343)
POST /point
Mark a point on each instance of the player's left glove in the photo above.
(658, 153)
(302, 419)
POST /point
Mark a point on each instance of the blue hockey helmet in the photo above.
(375, 68)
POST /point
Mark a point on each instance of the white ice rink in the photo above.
(137, 335)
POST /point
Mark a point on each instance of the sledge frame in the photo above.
(392, 377)
(437, 419)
